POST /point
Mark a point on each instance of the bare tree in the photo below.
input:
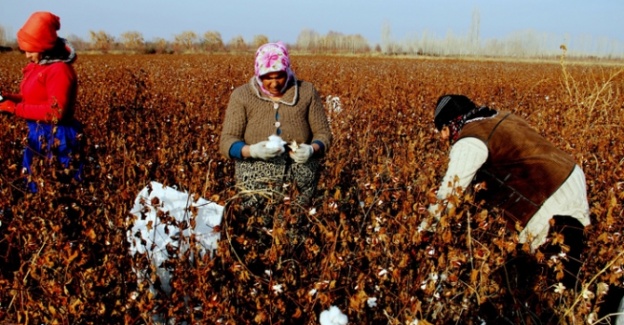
(3, 36)
(388, 45)
(473, 37)
(357, 44)
(159, 45)
(77, 42)
(213, 41)
(4, 41)
(132, 41)
(185, 41)
(259, 40)
(101, 41)
(307, 40)
(332, 41)
(237, 43)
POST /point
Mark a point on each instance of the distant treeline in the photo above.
(527, 44)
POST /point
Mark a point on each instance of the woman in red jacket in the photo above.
(47, 97)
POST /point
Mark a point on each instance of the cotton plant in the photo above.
(333, 103)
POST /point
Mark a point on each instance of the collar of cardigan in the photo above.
(289, 98)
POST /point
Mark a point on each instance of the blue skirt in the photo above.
(61, 141)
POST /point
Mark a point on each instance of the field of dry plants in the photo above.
(64, 253)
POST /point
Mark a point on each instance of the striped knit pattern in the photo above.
(569, 200)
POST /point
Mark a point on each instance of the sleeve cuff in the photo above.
(236, 149)
(321, 146)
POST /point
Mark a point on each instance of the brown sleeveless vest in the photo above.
(522, 170)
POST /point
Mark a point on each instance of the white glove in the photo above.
(260, 150)
(302, 154)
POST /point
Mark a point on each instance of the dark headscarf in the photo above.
(454, 111)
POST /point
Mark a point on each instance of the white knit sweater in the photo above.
(468, 154)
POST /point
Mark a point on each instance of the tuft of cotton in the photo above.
(277, 289)
(275, 141)
(333, 316)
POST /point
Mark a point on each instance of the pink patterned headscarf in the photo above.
(273, 57)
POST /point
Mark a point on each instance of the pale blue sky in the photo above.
(561, 19)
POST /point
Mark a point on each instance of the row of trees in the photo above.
(210, 41)
(521, 44)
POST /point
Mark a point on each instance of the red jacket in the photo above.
(48, 92)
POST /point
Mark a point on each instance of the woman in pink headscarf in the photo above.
(276, 130)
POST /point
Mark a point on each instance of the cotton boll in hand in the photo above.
(275, 141)
(333, 316)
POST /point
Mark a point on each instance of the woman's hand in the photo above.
(302, 154)
(7, 106)
(260, 150)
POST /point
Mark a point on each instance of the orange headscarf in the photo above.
(39, 32)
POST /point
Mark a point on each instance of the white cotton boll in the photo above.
(333, 103)
(275, 141)
(333, 316)
(277, 289)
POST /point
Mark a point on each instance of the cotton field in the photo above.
(74, 255)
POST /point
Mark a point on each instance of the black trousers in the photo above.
(574, 238)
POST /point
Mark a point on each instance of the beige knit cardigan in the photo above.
(251, 116)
